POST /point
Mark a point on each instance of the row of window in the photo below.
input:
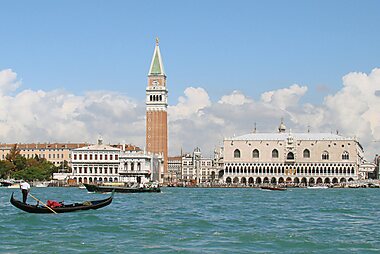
(37, 150)
(95, 179)
(155, 97)
(290, 171)
(280, 180)
(94, 170)
(95, 157)
(290, 155)
(132, 166)
(51, 156)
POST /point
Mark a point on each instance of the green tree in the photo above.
(6, 169)
(41, 171)
(13, 153)
(20, 162)
(64, 167)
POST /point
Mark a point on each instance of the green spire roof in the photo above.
(156, 67)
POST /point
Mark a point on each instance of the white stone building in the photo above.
(198, 169)
(95, 163)
(293, 158)
(174, 169)
(140, 167)
(103, 163)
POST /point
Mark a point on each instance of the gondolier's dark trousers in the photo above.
(24, 195)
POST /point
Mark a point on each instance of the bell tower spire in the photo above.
(156, 66)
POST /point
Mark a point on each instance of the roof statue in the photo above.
(282, 127)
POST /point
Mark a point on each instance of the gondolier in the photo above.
(25, 188)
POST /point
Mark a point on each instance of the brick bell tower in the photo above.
(156, 110)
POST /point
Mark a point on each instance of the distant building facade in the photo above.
(118, 163)
(174, 169)
(95, 163)
(198, 169)
(140, 167)
(56, 153)
(293, 158)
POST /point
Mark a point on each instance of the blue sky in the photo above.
(250, 46)
(267, 60)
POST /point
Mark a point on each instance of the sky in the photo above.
(74, 70)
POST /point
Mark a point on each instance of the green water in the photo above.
(189, 220)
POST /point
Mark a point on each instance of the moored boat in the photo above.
(273, 188)
(120, 189)
(317, 187)
(65, 208)
(14, 186)
(5, 183)
(42, 185)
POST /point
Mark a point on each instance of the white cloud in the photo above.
(284, 98)
(192, 104)
(8, 81)
(236, 98)
(355, 108)
(60, 116)
(354, 111)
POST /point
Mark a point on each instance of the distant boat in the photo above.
(317, 187)
(14, 186)
(42, 185)
(87, 205)
(120, 189)
(273, 188)
(5, 183)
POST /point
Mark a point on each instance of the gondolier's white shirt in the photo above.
(25, 186)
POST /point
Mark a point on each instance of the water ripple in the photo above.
(199, 220)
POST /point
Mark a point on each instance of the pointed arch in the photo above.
(325, 155)
(290, 156)
(306, 153)
(237, 153)
(274, 153)
(255, 154)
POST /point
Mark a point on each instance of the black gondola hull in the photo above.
(273, 188)
(96, 204)
(98, 188)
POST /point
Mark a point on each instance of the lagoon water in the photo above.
(196, 220)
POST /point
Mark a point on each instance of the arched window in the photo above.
(160, 97)
(237, 153)
(151, 98)
(255, 154)
(274, 153)
(325, 155)
(345, 155)
(290, 156)
(306, 153)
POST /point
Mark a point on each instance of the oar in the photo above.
(43, 203)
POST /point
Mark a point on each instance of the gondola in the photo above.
(120, 189)
(65, 208)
